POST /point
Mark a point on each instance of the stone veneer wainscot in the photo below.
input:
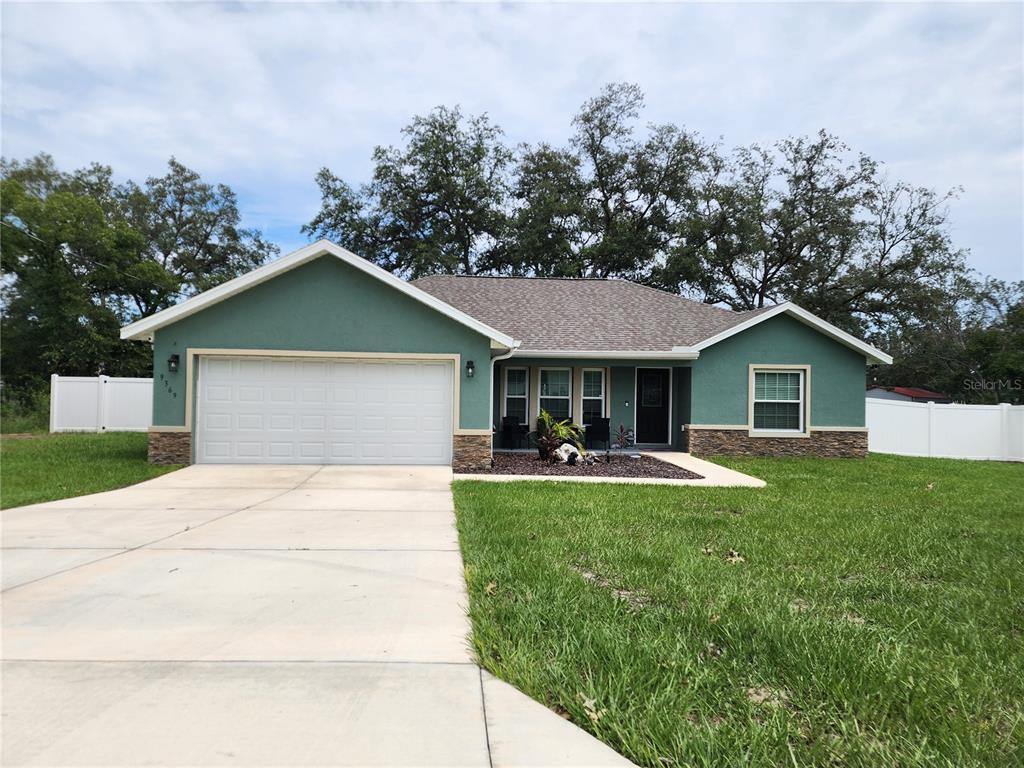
(170, 447)
(471, 452)
(738, 442)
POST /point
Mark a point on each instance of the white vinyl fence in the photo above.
(994, 432)
(100, 404)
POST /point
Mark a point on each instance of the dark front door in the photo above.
(652, 394)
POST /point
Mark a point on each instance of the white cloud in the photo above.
(260, 96)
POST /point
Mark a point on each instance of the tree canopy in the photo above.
(82, 255)
(804, 219)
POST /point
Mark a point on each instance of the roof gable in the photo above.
(751, 319)
(144, 328)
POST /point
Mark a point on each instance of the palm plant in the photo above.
(552, 433)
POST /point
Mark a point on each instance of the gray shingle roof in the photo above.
(582, 315)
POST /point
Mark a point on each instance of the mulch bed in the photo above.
(619, 466)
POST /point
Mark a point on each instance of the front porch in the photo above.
(648, 398)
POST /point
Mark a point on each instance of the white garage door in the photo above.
(323, 411)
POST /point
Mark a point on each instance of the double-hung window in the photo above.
(779, 399)
(593, 394)
(516, 390)
(556, 392)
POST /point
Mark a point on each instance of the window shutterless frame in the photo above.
(516, 398)
(567, 397)
(591, 398)
(802, 401)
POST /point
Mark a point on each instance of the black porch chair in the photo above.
(513, 434)
(599, 430)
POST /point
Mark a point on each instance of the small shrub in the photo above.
(26, 411)
(552, 433)
(622, 438)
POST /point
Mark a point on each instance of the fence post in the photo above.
(1004, 431)
(101, 414)
(931, 427)
(53, 401)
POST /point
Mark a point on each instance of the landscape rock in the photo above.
(566, 454)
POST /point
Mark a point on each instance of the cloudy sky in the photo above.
(260, 96)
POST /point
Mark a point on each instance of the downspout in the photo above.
(490, 411)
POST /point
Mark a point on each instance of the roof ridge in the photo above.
(703, 305)
(529, 277)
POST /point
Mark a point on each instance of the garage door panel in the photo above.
(281, 451)
(281, 422)
(345, 394)
(315, 450)
(248, 450)
(281, 395)
(252, 368)
(343, 450)
(250, 421)
(372, 423)
(218, 393)
(314, 394)
(344, 422)
(281, 370)
(312, 422)
(281, 410)
(432, 423)
(314, 369)
(217, 449)
(373, 451)
(251, 394)
(218, 421)
(376, 395)
(402, 423)
(218, 366)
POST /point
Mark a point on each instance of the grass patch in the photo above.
(48, 467)
(28, 413)
(856, 613)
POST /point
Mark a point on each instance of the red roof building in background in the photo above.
(908, 394)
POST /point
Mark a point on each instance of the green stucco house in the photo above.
(323, 357)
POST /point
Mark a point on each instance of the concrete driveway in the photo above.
(256, 616)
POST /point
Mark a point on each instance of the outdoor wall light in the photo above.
(470, 369)
(172, 363)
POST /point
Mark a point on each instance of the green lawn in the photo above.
(46, 467)
(861, 613)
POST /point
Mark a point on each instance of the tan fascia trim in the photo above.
(173, 428)
(143, 329)
(455, 359)
(873, 354)
(693, 427)
(676, 353)
(741, 427)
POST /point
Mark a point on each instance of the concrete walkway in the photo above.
(711, 475)
(256, 616)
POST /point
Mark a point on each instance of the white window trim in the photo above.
(583, 391)
(525, 397)
(805, 400)
(540, 387)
